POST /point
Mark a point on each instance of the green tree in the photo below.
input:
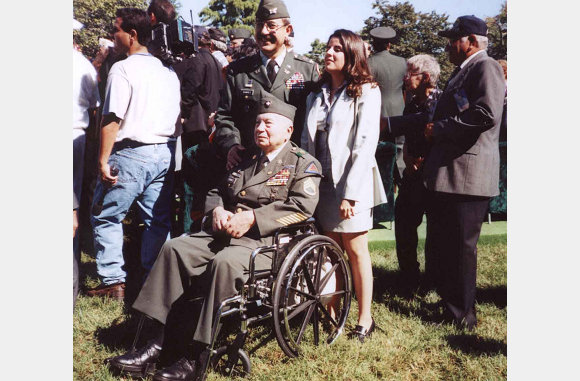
(98, 17)
(226, 14)
(416, 32)
(317, 52)
(497, 34)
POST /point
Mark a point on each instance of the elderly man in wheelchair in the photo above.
(258, 252)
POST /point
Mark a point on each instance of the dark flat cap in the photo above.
(270, 103)
(383, 32)
(218, 35)
(271, 9)
(236, 33)
(464, 26)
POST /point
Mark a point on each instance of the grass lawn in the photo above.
(409, 344)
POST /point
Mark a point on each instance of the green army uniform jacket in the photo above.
(389, 71)
(246, 79)
(281, 194)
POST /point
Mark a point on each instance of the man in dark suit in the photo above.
(201, 86)
(389, 71)
(287, 76)
(461, 169)
(275, 187)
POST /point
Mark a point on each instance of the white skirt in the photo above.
(328, 214)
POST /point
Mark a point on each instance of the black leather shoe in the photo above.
(361, 333)
(182, 370)
(137, 363)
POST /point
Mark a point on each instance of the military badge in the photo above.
(296, 81)
(280, 178)
(312, 169)
(309, 187)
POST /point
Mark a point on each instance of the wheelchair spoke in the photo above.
(305, 323)
(327, 314)
(302, 293)
(327, 276)
(319, 268)
(315, 323)
(307, 277)
(334, 293)
(300, 308)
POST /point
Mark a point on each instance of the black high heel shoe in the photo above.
(361, 332)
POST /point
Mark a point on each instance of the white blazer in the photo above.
(354, 169)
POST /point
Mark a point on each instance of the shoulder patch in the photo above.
(312, 169)
(309, 187)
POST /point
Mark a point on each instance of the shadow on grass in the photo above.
(120, 334)
(390, 291)
(494, 295)
(475, 345)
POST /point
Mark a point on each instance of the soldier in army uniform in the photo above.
(237, 36)
(285, 75)
(389, 71)
(275, 187)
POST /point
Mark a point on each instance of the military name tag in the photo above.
(461, 100)
(280, 178)
(296, 81)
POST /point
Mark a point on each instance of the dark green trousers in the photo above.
(200, 265)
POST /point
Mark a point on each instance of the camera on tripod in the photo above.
(170, 41)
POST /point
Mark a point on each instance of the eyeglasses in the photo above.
(409, 75)
(270, 26)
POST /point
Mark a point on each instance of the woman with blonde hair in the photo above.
(342, 131)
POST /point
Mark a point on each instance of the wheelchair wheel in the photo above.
(221, 364)
(312, 294)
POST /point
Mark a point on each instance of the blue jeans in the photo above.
(145, 176)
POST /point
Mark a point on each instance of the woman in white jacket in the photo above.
(342, 131)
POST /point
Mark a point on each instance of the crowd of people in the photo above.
(277, 142)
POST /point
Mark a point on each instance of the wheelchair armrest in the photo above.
(309, 223)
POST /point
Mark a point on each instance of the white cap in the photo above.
(77, 25)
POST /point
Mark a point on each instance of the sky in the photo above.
(319, 18)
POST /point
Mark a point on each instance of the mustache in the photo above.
(267, 37)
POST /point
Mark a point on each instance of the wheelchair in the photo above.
(306, 294)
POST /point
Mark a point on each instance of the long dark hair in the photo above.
(356, 68)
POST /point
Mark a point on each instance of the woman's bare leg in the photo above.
(357, 249)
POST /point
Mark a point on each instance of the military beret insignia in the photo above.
(309, 187)
(312, 169)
